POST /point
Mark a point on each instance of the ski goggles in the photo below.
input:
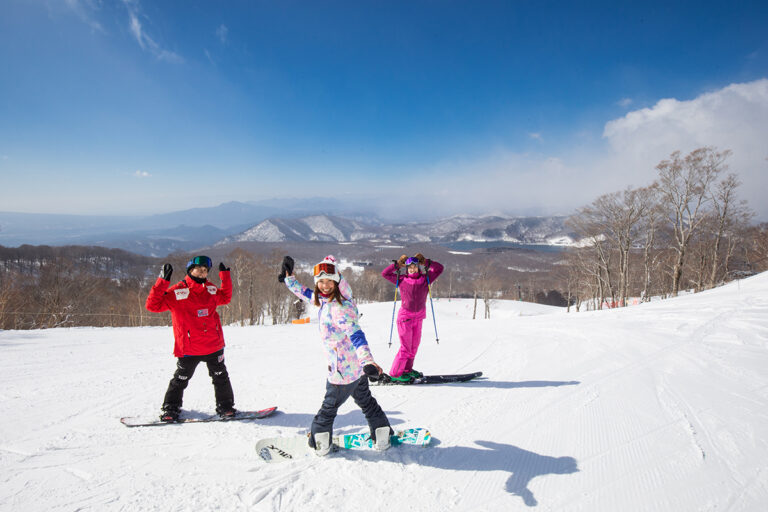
(200, 261)
(412, 261)
(324, 268)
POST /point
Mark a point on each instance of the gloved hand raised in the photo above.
(286, 269)
(222, 267)
(166, 272)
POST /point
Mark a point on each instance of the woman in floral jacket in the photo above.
(349, 357)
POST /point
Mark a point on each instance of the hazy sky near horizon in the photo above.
(410, 107)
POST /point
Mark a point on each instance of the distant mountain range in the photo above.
(464, 228)
(236, 222)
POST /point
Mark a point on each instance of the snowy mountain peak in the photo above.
(487, 228)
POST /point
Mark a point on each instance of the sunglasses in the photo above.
(324, 268)
(202, 261)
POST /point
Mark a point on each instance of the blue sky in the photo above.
(419, 107)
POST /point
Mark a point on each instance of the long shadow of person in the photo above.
(524, 465)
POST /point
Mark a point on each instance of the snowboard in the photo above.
(134, 421)
(284, 449)
(430, 379)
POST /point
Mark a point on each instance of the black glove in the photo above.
(371, 370)
(166, 272)
(222, 268)
(287, 268)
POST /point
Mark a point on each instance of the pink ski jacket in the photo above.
(413, 287)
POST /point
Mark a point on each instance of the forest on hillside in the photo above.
(686, 231)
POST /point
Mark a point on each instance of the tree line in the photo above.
(686, 230)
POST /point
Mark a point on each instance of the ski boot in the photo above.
(414, 373)
(402, 379)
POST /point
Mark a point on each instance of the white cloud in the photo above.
(734, 117)
(221, 32)
(624, 102)
(535, 136)
(141, 174)
(144, 40)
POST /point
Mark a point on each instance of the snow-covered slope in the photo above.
(658, 407)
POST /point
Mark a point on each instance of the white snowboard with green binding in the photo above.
(284, 449)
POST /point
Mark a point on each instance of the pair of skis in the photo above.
(386, 380)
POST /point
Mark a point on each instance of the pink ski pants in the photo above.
(409, 329)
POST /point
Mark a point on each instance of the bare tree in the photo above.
(684, 183)
(729, 216)
(590, 224)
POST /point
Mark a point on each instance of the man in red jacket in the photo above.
(197, 332)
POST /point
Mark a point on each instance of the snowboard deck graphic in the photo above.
(430, 379)
(135, 421)
(283, 449)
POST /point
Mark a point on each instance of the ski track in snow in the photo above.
(657, 407)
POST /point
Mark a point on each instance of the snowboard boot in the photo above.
(322, 443)
(170, 416)
(228, 414)
(382, 441)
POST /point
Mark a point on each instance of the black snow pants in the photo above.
(336, 395)
(185, 368)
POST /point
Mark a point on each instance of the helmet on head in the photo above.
(199, 261)
(326, 269)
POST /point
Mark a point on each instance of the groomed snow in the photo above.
(658, 407)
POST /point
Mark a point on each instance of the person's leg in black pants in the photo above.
(185, 368)
(222, 387)
(371, 408)
(335, 396)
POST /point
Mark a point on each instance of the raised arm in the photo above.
(158, 300)
(298, 289)
(390, 273)
(224, 293)
(434, 269)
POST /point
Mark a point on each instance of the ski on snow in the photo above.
(429, 379)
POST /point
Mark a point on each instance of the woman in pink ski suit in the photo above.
(414, 288)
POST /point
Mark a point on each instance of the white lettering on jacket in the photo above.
(181, 293)
(211, 290)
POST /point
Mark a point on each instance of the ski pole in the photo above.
(429, 289)
(394, 305)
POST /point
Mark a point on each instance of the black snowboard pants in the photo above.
(185, 368)
(336, 395)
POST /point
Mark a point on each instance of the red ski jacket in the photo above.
(196, 324)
